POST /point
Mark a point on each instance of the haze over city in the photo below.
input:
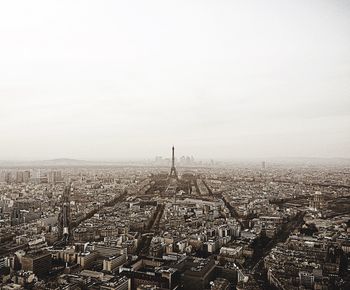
(219, 79)
(175, 145)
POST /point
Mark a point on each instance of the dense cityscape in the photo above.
(175, 223)
(175, 145)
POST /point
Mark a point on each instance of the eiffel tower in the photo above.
(173, 173)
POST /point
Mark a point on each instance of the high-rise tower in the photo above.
(173, 173)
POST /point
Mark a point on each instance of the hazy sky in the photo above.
(219, 79)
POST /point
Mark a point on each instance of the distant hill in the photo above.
(289, 161)
(65, 161)
(312, 161)
(61, 162)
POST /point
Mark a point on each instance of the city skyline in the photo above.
(175, 145)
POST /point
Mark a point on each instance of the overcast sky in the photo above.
(218, 79)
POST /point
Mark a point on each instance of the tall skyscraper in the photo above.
(26, 176)
(5, 176)
(54, 177)
(19, 176)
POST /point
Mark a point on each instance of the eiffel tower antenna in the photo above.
(173, 172)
